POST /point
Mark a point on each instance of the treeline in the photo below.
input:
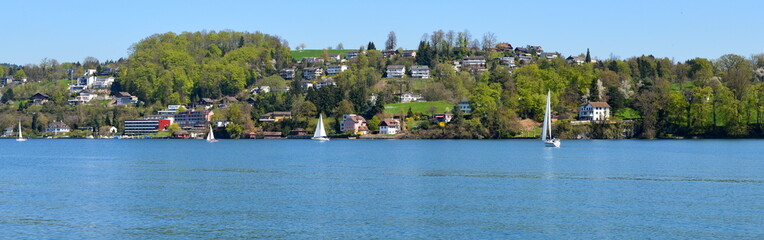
(659, 97)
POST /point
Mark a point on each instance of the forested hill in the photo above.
(183, 68)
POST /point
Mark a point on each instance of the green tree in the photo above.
(234, 130)
(588, 58)
(371, 46)
(8, 95)
(373, 123)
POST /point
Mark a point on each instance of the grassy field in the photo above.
(421, 107)
(298, 55)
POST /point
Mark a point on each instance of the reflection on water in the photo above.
(382, 189)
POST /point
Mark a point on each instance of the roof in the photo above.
(58, 125)
(229, 99)
(420, 67)
(474, 58)
(396, 66)
(207, 100)
(389, 122)
(600, 104)
(40, 95)
(355, 118)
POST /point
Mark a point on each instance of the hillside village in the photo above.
(443, 89)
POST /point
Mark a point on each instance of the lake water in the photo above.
(382, 189)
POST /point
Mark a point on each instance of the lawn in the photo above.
(298, 55)
(421, 107)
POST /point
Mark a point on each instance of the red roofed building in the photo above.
(594, 111)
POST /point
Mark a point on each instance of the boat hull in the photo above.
(552, 143)
(21, 140)
(320, 139)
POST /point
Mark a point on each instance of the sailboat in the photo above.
(546, 127)
(211, 136)
(320, 134)
(20, 138)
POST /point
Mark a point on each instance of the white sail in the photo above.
(211, 136)
(20, 138)
(545, 124)
(320, 133)
(546, 128)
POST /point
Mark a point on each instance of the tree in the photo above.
(588, 56)
(8, 95)
(345, 107)
(373, 123)
(20, 74)
(234, 130)
(391, 42)
(340, 46)
(371, 46)
(489, 41)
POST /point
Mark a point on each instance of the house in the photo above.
(410, 97)
(260, 90)
(306, 84)
(221, 124)
(228, 100)
(336, 69)
(58, 128)
(549, 55)
(272, 135)
(577, 60)
(442, 118)
(353, 123)
(509, 61)
(8, 132)
(312, 72)
(251, 101)
(298, 132)
(389, 53)
(334, 56)
(396, 71)
(86, 80)
(478, 61)
(409, 53)
(420, 71)
(465, 107)
(181, 134)
(83, 97)
(522, 50)
(275, 116)
(312, 60)
(352, 54)
(389, 126)
(536, 49)
(321, 84)
(287, 73)
(103, 82)
(594, 111)
(525, 58)
(207, 102)
(504, 47)
(7, 80)
(89, 72)
(124, 98)
(40, 98)
(193, 120)
(143, 127)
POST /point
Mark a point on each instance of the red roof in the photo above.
(600, 104)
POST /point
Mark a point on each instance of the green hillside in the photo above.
(298, 55)
(421, 107)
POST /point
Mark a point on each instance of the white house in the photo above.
(312, 72)
(410, 97)
(352, 54)
(509, 61)
(409, 53)
(389, 126)
(420, 71)
(287, 73)
(594, 111)
(577, 60)
(103, 82)
(336, 69)
(465, 107)
(57, 128)
(320, 84)
(478, 61)
(83, 97)
(124, 98)
(396, 71)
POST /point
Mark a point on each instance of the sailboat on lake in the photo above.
(546, 127)
(211, 136)
(320, 133)
(20, 138)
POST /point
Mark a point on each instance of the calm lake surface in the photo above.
(382, 189)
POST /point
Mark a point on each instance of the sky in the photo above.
(69, 31)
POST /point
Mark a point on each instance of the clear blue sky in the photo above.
(72, 30)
